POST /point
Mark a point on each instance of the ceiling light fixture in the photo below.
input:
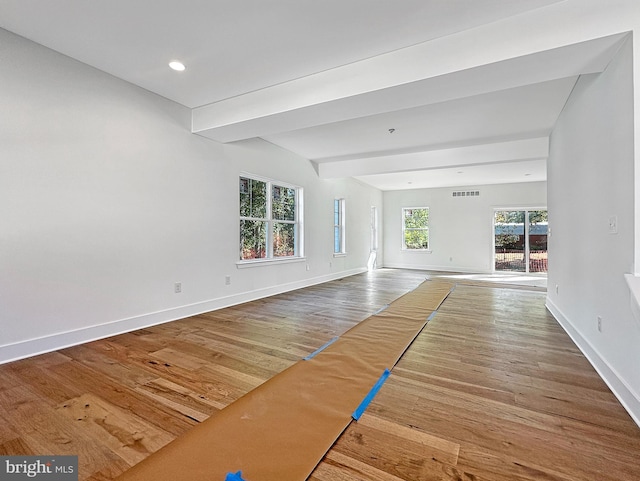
(177, 66)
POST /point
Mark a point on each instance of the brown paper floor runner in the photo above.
(282, 429)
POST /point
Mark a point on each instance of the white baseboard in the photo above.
(629, 399)
(54, 342)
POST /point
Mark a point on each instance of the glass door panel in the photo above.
(538, 223)
(510, 241)
(520, 239)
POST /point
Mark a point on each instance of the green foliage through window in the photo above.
(269, 220)
(253, 198)
(283, 204)
(415, 228)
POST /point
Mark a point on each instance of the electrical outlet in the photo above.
(177, 287)
(227, 280)
(308, 267)
(599, 324)
(557, 288)
(613, 224)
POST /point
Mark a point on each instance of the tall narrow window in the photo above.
(415, 228)
(373, 253)
(270, 219)
(338, 227)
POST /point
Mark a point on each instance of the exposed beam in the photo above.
(427, 73)
(529, 149)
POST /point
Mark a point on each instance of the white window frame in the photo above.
(339, 228)
(404, 228)
(297, 222)
(527, 226)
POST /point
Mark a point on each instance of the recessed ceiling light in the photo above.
(178, 66)
(527, 175)
(460, 172)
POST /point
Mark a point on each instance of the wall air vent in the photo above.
(467, 193)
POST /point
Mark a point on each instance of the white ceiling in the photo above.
(243, 58)
(522, 112)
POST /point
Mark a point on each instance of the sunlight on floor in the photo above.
(504, 278)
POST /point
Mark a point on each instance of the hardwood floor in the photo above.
(493, 389)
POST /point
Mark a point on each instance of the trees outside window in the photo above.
(283, 213)
(270, 219)
(415, 228)
(520, 238)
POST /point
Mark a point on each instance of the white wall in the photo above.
(600, 129)
(108, 200)
(590, 179)
(460, 228)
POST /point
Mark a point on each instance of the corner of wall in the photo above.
(629, 399)
(53, 342)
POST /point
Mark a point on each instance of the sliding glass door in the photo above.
(538, 226)
(520, 240)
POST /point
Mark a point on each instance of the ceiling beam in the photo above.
(517, 150)
(427, 73)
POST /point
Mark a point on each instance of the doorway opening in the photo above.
(373, 253)
(520, 240)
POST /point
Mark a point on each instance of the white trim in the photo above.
(268, 261)
(262, 178)
(629, 399)
(61, 340)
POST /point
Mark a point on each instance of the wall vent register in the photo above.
(468, 193)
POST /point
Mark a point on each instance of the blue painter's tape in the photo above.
(234, 476)
(369, 397)
(381, 309)
(320, 349)
(433, 314)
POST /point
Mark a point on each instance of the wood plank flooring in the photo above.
(493, 389)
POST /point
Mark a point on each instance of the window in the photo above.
(415, 228)
(338, 227)
(520, 240)
(270, 219)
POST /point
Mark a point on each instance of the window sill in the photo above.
(339, 254)
(268, 262)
